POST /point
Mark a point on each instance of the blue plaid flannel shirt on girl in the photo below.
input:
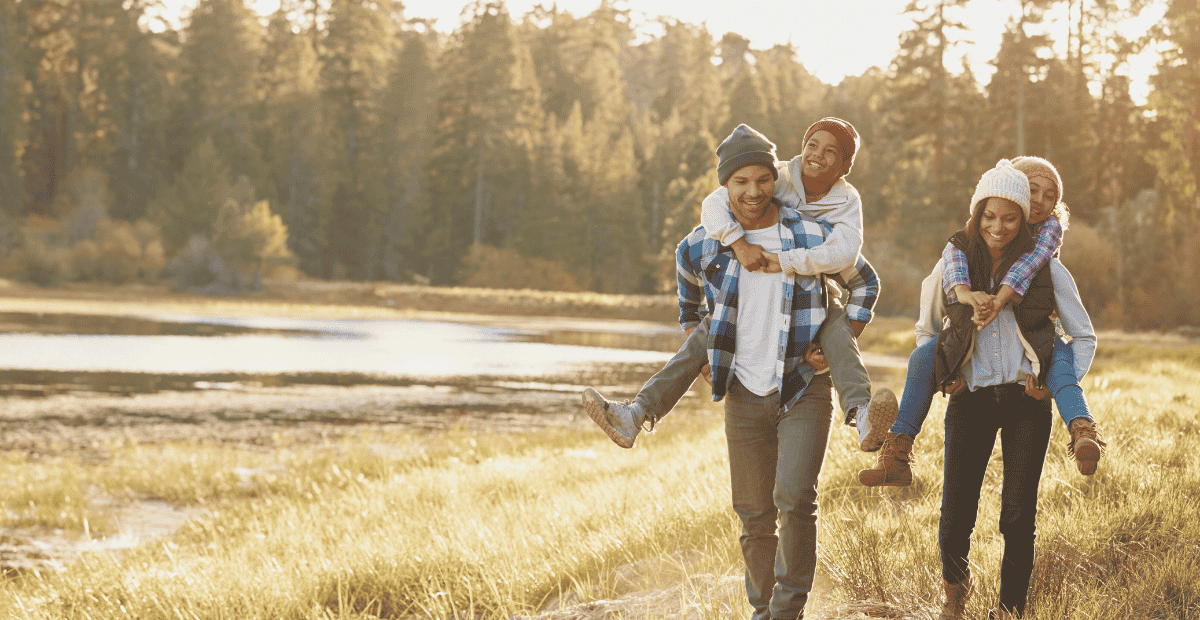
(708, 272)
(1047, 239)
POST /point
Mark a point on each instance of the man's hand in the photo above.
(955, 386)
(751, 256)
(816, 357)
(1032, 388)
(857, 327)
(706, 372)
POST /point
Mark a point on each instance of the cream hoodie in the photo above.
(841, 208)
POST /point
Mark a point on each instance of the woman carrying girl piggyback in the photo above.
(971, 307)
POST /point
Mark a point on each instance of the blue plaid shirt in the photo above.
(708, 272)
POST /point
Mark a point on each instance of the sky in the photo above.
(833, 38)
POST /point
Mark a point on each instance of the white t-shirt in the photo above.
(759, 319)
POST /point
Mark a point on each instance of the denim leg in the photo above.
(846, 367)
(1024, 438)
(1064, 385)
(970, 434)
(803, 433)
(662, 392)
(751, 433)
(919, 388)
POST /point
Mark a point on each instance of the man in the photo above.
(823, 193)
(778, 406)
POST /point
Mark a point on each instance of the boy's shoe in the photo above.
(881, 415)
(957, 595)
(893, 467)
(621, 421)
(1085, 445)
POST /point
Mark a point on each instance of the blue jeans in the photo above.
(774, 460)
(919, 388)
(972, 421)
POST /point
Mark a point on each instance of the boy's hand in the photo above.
(706, 372)
(857, 327)
(773, 264)
(1032, 388)
(751, 256)
(816, 357)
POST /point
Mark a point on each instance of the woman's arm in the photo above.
(1074, 317)
(933, 307)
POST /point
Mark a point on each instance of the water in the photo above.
(179, 344)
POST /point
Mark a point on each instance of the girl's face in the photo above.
(999, 223)
(1043, 197)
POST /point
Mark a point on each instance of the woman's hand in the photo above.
(1032, 388)
(954, 387)
(751, 256)
(816, 357)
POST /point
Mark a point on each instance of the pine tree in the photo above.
(12, 110)
(489, 111)
(1176, 100)
(191, 204)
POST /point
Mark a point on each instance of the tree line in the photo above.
(339, 139)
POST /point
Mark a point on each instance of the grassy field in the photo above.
(490, 526)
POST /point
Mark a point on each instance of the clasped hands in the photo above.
(753, 257)
(985, 305)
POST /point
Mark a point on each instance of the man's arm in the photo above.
(863, 284)
(690, 286)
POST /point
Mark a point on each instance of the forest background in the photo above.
(337, 139)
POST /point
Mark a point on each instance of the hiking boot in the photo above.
(1085, 445)
(892, 469)
(956, 600)
(621, 421)
(881, 415)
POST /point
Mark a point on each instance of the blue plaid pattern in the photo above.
(708, 272)
(1047, 239)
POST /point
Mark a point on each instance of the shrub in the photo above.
(490, 267)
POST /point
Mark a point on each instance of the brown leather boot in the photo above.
(892, 468)
(1085, 445)
(956, 600)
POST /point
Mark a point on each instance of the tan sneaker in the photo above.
(621, 421)
(1085, 445)
(957, 595)
(892, 469)
(881, 415)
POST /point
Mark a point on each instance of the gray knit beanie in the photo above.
(745, 147)
(1003, 181)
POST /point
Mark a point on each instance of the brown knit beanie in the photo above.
(845, 135)
(744, 147)
(1038, 167)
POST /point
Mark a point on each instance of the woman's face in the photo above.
(1043, 197)
(999, 223)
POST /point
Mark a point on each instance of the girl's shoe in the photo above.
(892, 469)
(1085, 445)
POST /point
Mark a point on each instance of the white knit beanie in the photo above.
(1003, 181)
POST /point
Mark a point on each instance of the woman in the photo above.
(996, 377)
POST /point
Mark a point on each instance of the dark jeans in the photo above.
(972, 421)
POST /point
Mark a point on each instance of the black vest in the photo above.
(1033, 316)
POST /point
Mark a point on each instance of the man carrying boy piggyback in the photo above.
(822, 193)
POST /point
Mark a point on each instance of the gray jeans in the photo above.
(774, 461)
(662, 392)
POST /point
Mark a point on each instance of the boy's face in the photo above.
(751, 189)
(1043, 196)
(822, 157)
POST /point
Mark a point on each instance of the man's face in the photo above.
(822, 156)
(1000, 222)
(1043, 195)
(751, 189)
